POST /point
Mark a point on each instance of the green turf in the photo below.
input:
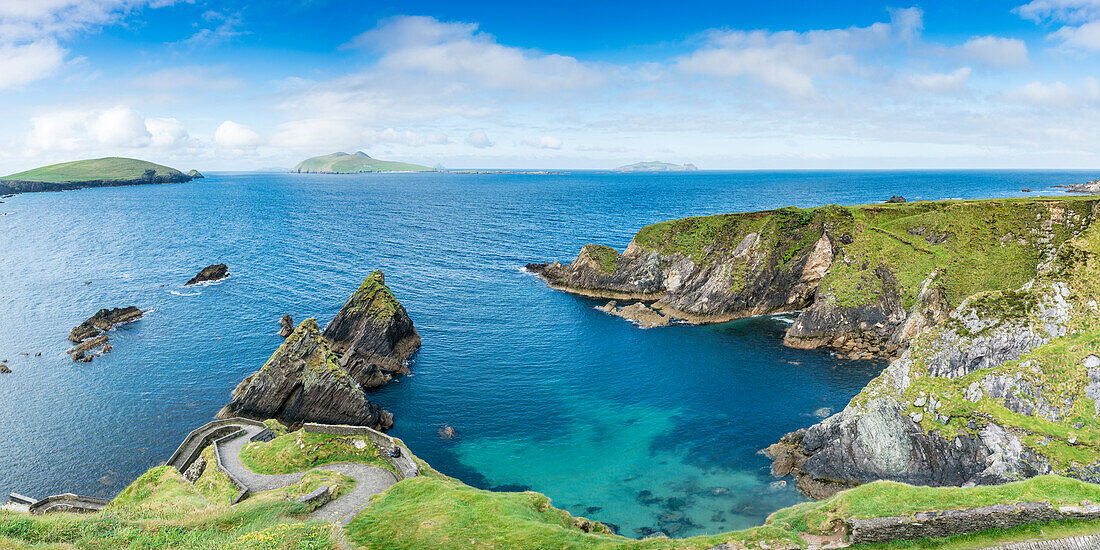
(104, 169)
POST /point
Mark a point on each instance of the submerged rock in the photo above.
(287, 325)
(302, 383)
(372, 334)
(210, 273)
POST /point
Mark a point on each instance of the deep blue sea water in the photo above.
(645, 429)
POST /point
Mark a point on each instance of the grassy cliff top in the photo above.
(656, 166)
(162, 510)
(972, 245)
(344, 163)
(105, 169)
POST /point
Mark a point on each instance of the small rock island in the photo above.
(354, 163)
(209, 274)
(102, 172)
(91, 334)
(318, 376)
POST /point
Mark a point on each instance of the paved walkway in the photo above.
(369, 480)
(1088, 542)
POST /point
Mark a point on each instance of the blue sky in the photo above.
(235, 85)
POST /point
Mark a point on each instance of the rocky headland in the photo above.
(986, 309)
(102, 172)
(322, 377)
(90, 335)
(209, 274)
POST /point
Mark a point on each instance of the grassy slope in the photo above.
(104, 169)
(344, 163)
(161, 510)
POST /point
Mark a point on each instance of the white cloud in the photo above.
(166, 132)
(104, 130)
(341, 134)
(1068, 11)
(940, 82)
(188, 76)
(1056, 94)
(458, 51)
(478, 139)
(119, 127)
(25, 63)
(1084, 37)
(548, 142)
(995, 51)
(232, 135)
(790, 61)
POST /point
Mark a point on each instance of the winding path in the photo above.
(369, 480)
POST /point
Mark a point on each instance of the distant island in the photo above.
(104, 172)
(656, 166)
(355, 163)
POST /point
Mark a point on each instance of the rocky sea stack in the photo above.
(322, 377)
(208, 274)
(90, 335)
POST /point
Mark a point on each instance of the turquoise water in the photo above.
(646, 429)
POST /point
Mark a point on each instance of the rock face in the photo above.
(210, 273)
(372, 334)
(322, 377)
(89, 335)
(286, 325)
(302, 383)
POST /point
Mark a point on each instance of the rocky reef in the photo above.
(91, 334)
(1003, 388)
(322, 377)
(210, 273)
(1090, 187)
(639, 313)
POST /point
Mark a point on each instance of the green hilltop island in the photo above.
(983, 431)
(102, 172)
(656, 166)
(354, 163)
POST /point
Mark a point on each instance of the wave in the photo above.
(178, 293)
(212, 283)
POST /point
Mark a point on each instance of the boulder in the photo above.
(372, 334)
(210, 273)
(287, 325)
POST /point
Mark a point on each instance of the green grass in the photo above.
(603, 255)
(376, 298)
(301, 450)
(344, 163)
(104, 169)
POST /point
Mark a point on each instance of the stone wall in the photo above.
(971, 520)
(217, 453)
(68, 502)
(405, 464)
(201, 437)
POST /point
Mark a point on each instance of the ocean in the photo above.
(649, 430)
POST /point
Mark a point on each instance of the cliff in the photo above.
(323, 377)
(344, 163)
(103, 172)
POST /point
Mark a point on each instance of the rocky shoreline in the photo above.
(1090, 187)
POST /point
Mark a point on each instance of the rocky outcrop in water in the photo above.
(90, 335)
(322, 377)
(372, 334)
(210, 273)
(895, 199)
(637, 313)
(302, 383)
(286, 325)
(1090, 187)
